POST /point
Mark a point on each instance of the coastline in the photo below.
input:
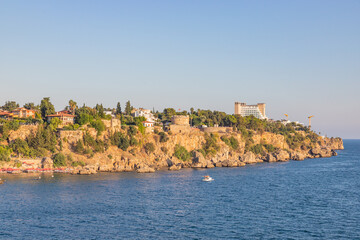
(198, 162)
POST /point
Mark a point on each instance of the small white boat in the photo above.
(207, 179)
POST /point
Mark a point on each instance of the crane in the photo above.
(287, 117)
(310, 121)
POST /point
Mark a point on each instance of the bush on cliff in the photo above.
(132, 131)
(257, 149)
(163, 137)
(96, 145)
(78, 163)
(59, 160)
(22, 148)
(149, 148)
(231, 142)
(7, 126)
(118, 139)
(181, 153)
(210, 146)
(270, 148)
(98, 125)
(133, 141)
(79, 147)
(5, 154)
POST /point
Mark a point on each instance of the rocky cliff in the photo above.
(260, 147)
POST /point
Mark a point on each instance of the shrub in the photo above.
(59, 160)
(119, 140)
(98, 125)
(257, 149)
(210, 147)
(17, 164)
(133, 141)
(164, 150)
(132, 131)
(181, 153)
(163, 137)
(110, 156)
(79, 147)
(270, 148)
(234, 143)
(21, 147)
(149, 148)
(5, 154)
(78, 163)
(132, 151)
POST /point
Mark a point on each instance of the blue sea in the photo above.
(311, 199)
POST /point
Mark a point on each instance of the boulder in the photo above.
(169, 162)
(282, 156)
(298, 156)
(249, 158)
(175, 167)
(47, 163)
(87, 170)
(218, 164)
(145, 169)
(105, 168)
(269, 158)
(200, 162)
(322, 152)
(230, 163)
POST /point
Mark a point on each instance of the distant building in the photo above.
(148, 124)
(23, 113)
(5, 115)
(146, 113)
(64, 117)
(109, 112)
(244, 110)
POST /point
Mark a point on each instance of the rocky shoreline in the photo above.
(129, 164)
(157, 150)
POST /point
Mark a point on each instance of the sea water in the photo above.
(311, 199)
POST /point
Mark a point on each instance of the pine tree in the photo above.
(46, 107)
(118, 108)
(128, 108)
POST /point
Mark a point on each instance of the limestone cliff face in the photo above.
(22, 132)
(276, 140)
(136, 159)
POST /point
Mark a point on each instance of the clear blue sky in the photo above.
(299, 57)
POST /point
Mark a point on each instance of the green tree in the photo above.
(5, 154)
(98, 125)
(20, 147)
(10, 105)
(210, 147)
(73, 106)
(79, 147)
(46, 107)
(118, 108)
(181, 153)
(168, 113)
(31, 106)
(128, 108)
(163, 137)
(59, 160)
(100, 110)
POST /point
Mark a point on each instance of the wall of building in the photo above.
(71, 136)
(179, 128)
(217, 129)
(180, 120)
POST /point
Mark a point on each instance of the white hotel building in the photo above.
(244, 110)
